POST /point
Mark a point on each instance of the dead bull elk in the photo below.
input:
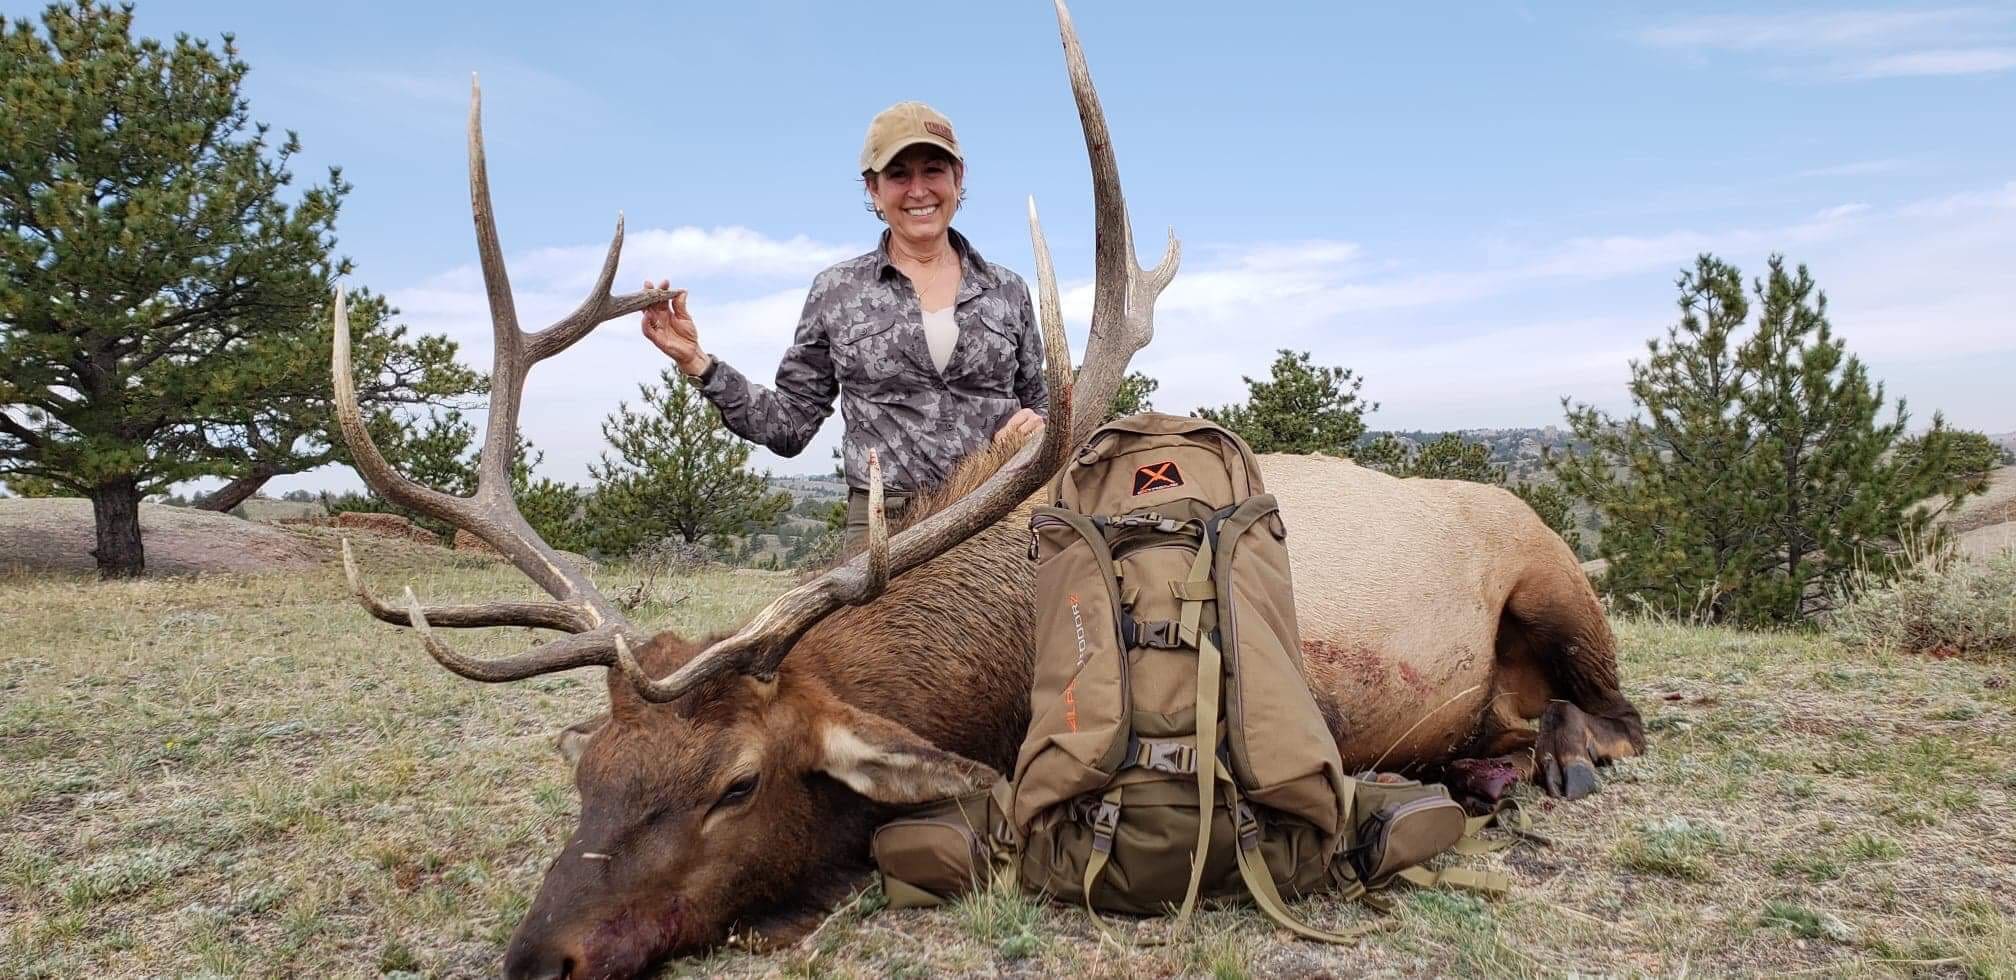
(731, 786)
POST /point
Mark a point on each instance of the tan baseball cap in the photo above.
(902, 125)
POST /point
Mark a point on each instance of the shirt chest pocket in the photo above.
(869, 351)
(985, 358)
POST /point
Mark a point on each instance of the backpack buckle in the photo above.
(1105, 823)
(1167, 525)
(1249, 826)
(1156, 634)
(1178, 758)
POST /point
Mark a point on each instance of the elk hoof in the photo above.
(1571, 781)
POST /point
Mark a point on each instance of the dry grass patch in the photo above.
(1942, 606)
(247, 776)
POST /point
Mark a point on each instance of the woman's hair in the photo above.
(958, 175)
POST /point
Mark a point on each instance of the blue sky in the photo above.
(1480, 209)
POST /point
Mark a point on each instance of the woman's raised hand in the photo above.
(671, 329)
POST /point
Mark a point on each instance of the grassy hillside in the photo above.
(247, 776)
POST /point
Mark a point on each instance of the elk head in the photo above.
(727, 785)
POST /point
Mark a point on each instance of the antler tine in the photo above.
(515, 350)
(595, 648)
(762, 643)
(1050, 313)
(543, 615)
(1123, 296)
(600, 307)
(389, 482)
(877, 578)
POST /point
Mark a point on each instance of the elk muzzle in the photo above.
(552, 944)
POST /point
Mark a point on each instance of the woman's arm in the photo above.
(782, 419)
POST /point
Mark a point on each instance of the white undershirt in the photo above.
(941, 331)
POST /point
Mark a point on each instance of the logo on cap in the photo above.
(1157, 476)
(941, 131)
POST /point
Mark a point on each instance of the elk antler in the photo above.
(1123, 321)
(490, 513)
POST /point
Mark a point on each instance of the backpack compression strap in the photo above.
(1260, 881)
(1210, 670)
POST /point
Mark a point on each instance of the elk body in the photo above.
(734, 780)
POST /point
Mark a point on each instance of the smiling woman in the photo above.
(932, 350)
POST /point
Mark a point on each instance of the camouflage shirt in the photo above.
(862, 337)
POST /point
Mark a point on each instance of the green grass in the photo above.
(241, 776)
(1675, 847)
(1003, 918)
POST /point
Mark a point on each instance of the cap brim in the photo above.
(882, 160)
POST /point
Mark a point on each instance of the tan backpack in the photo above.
(1169, 686)
(1165, 610)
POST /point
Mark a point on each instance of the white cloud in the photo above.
(1861, 44)
(1859, 168)
(1944, 61)
(1820, 31)
(685, 254)
(1922, 285)
(1966, 202)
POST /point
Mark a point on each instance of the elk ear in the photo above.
(570, 741)
(889, 763)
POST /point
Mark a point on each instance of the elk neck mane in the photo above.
(947, 641)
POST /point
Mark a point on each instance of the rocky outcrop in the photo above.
(56, 534)
(464, 541)
(385, 525)
(280, 511)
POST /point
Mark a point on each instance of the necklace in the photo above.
(937, 271)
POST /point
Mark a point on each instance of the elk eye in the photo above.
(737, 791)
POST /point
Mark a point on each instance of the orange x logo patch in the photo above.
(1157, 476)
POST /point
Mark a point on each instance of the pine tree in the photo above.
(288, 423)
(1754, 479)
(554, 509)
(1387, 454)
(1970, 455)
(1301, 408)
(154, 284)
(1830, 493)
(678, 472)
(1451, 458)
(1554, 508)
(1132, 396)
(1670, 481)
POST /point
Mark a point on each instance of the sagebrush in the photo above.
(1937, 607)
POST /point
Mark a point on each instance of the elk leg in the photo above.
(1559, 632)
